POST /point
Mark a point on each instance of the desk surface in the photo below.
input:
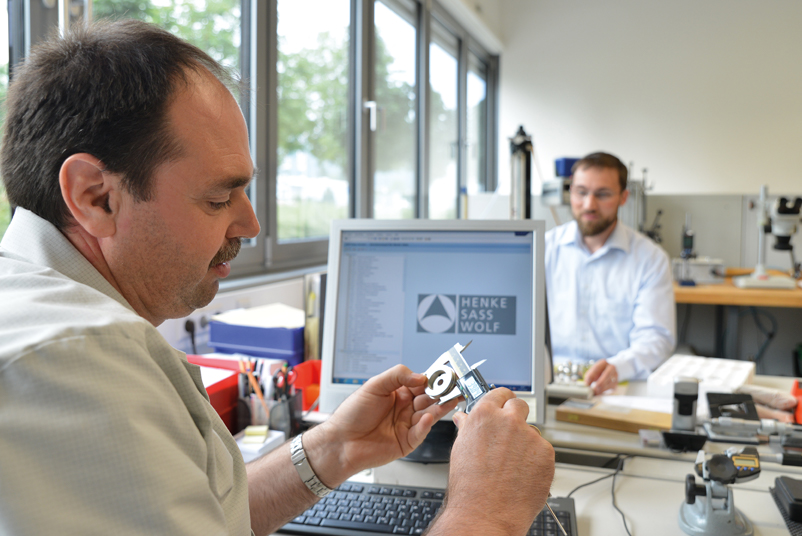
(649, 491)
(728, 294)
(582, 437)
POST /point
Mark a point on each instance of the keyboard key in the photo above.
(392, 509)
(337, 524)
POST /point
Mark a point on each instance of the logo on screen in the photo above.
(448, 313)
(437, 313)
(489, 315)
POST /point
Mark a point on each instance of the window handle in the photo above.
(372, 109)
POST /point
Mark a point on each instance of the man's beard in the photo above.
(594, 227)
(227, 252)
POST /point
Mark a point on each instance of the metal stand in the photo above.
(714, 514)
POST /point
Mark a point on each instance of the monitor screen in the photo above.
(404, 292)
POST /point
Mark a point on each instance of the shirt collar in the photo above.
(618, 239)
(36, 240)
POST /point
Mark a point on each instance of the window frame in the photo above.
(259, 53)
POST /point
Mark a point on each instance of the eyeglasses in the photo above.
(600, 195)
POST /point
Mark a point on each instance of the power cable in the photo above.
(624, 519)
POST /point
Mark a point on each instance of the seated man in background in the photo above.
(610, 290)
(128, 160)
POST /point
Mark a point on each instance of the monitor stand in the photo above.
(436, 448)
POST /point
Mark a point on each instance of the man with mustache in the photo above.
(128, 160)
(609, 288)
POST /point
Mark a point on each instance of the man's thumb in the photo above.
(458, 417)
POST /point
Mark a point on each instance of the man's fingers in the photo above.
(607, 380)
(394, 378)
(519, 407)
(420, 429)
(595, 372)
(459, 418)
(498, 396)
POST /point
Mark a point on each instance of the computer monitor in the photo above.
(405, 291)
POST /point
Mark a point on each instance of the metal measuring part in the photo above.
(450, 376)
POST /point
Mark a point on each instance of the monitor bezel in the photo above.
(332, 395)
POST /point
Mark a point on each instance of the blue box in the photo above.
(277, 343)
(563, 166)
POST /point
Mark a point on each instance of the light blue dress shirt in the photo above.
(615, 304)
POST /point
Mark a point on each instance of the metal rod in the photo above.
(555, 518)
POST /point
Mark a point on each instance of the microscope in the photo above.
(779, 218)
(714, 512)
(784, 218)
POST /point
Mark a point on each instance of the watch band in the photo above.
(305, 470)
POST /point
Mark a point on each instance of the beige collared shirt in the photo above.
(104, 427)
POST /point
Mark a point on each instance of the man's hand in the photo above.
(604, 374)
(501, 470)
(387, 418)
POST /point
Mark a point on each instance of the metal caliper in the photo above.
(450, 376)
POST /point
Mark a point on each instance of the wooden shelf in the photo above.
(728, 294)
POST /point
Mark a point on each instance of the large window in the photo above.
(312, 185)
(443, 124)
(356, 108)
(394, 183)
(213, 25)
(477, 143)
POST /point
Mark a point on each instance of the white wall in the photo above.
(706, 94)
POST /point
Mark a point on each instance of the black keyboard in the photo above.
(357, 509)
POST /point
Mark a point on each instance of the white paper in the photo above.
(275, 315)
(659, 405)
(212, 375)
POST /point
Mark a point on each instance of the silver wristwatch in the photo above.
(305, 470)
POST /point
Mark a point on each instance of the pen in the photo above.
(254, 384)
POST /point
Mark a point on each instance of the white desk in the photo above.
(649, 490)
(591, 438)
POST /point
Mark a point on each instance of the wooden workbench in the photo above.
(727, 295)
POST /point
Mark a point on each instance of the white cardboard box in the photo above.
(715, 376)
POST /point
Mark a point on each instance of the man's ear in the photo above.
(624, 197)
(92, 196)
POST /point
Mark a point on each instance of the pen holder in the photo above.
(285, 415)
